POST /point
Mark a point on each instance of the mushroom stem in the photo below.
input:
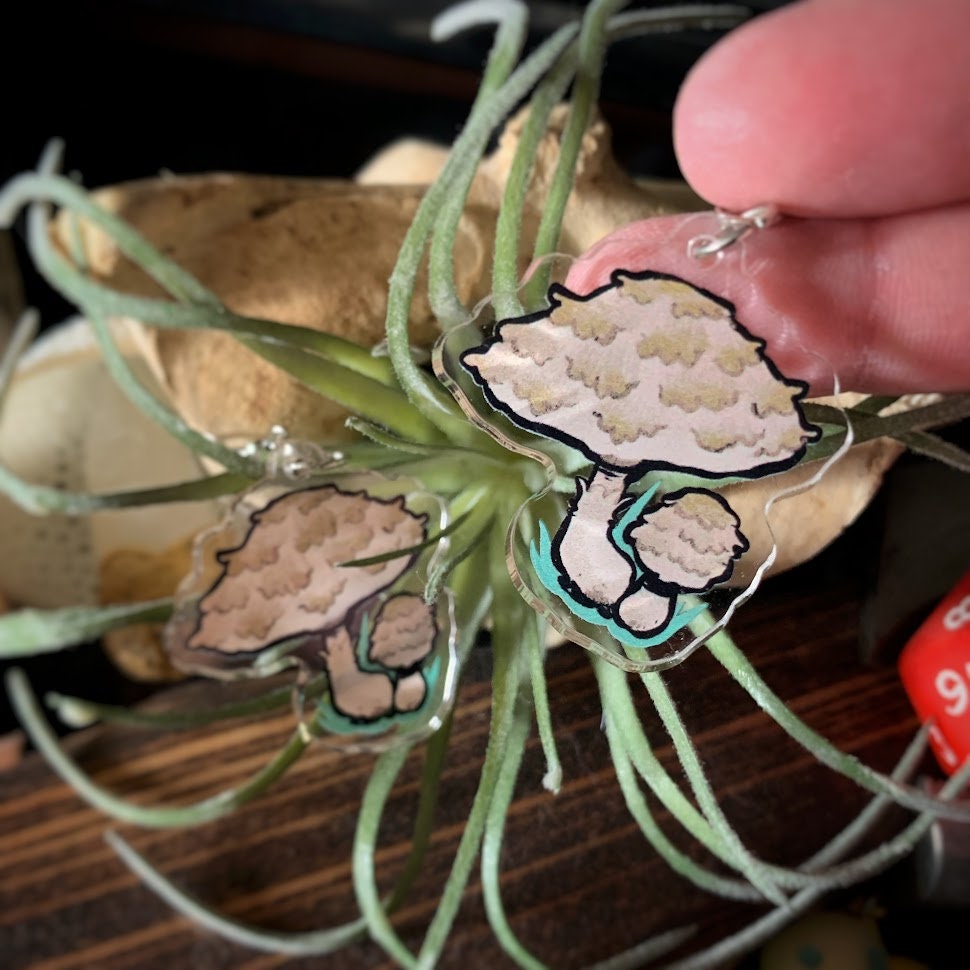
(358, 694)
(410, 692)
(592, 567)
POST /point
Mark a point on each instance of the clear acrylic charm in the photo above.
(326, 576)
(644, 399)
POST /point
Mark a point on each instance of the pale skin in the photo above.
(853, 117)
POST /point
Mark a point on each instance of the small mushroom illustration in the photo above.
(687, 543)
(305, 575)
(648, 373)
(403, 632)
(403, 636)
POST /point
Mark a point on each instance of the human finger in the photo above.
(833, 108)
(876, 304)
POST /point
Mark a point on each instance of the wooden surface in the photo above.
(580, 882)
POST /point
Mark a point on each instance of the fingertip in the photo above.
(753, 121)
(832, 108)
(717, 131)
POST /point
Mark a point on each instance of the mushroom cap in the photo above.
(689, 541)
(646, 372)
(404, 632)
(286, 577)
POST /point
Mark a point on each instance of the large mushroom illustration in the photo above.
(648, 373)
(304, 577)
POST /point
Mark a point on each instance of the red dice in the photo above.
(935, 669)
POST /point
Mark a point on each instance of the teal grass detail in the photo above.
(363, 648)
(625, 521)
(549, 576)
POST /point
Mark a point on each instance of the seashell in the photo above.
(648, 372)
(286, 577)
(66, 424)
(603, 195)
(133, 575)
(312, 253)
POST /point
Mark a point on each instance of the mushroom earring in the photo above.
(647, 378)
(326, 573)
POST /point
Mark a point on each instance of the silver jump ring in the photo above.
(282, 457)
(733, 226)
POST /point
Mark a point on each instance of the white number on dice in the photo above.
(952, 687)
(957, 616)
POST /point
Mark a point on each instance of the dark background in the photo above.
(284, 86)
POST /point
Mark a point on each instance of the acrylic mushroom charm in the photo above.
(648, 373)
(314, 577)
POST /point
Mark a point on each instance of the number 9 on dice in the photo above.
(935, 670)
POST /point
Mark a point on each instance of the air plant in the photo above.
(376, 660)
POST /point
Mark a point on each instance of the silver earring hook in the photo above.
(733, 227)
(284, 457)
